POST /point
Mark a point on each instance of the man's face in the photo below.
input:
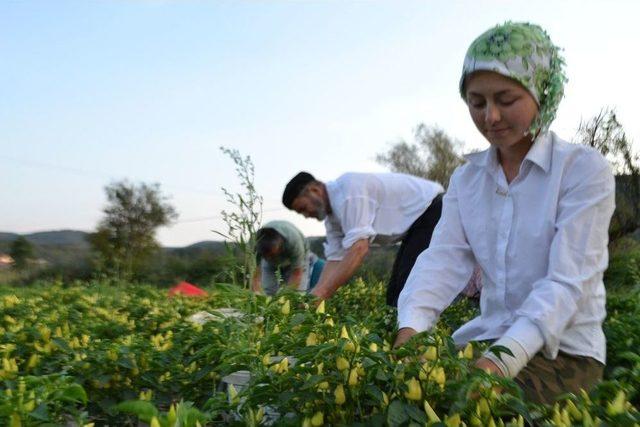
(310, 204)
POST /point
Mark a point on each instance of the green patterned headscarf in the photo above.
(523, 52)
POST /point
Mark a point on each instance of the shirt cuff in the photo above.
(413, 320)
(356, 234)
(524, 340)
(498, 362)
(527, 334)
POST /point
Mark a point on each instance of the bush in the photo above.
(624, 270)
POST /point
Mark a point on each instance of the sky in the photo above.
(97, 91)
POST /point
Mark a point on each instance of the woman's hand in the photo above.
(403, 336)
(487, 365)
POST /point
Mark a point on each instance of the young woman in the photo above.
(533, 211)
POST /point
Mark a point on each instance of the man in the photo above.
(283, 256)
(359, 209)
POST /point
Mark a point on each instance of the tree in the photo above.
(125, 238)
(605, 133)
(21, 251)
(433, 155)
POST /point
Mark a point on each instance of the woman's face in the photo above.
(501, 109)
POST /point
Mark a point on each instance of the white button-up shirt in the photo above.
(376, 206)
(541, 242)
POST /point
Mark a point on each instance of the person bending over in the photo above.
(360, 209)
(283, 257)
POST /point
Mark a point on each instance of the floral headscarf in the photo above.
(523, 52)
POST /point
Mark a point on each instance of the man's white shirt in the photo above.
(541, 242)
(376, 206)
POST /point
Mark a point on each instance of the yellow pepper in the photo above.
(344, 333)
(318, 419)
(353, 378)
(286, 308)
(453, 421)
(415, 391)
(312, 339)
(617, 406)
(15, 420)
(573, 411)
(342, 363)
(431, 353)
(339, 394)
(33, 361)
(468, 351)
(171, 415)
(431, 414)
(233, 394)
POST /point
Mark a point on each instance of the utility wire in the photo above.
(208, 218)
(102, 175)
(95, 174)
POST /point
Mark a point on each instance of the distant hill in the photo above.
(199, 248)
(71, 247)
(8, 237)
(58, 237)
(63, 237)
(61, 247)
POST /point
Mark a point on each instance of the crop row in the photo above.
(89, 353)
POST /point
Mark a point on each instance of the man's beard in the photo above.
(321, 211)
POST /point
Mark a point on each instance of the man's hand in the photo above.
(319, 294)
(295, 278)
(315, 302)
(487, 365)
(256, 281)
(337, 273)
(403, 336)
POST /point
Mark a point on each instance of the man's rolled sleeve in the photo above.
(358, 214)
(333, 249)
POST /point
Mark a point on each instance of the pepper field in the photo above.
(88, 353)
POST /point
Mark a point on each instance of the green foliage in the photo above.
(624, 271)
(140, 408)
(433, 155)
(124, 241)
(244, 221)
(21, 251)
(203, 267)
(622, 328)
(52, 399)
(112, 355)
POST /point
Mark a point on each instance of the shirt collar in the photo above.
(540, 151)
(332, 194)
(539, 154)
(486, 159)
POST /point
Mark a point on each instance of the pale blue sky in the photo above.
(96, 91)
